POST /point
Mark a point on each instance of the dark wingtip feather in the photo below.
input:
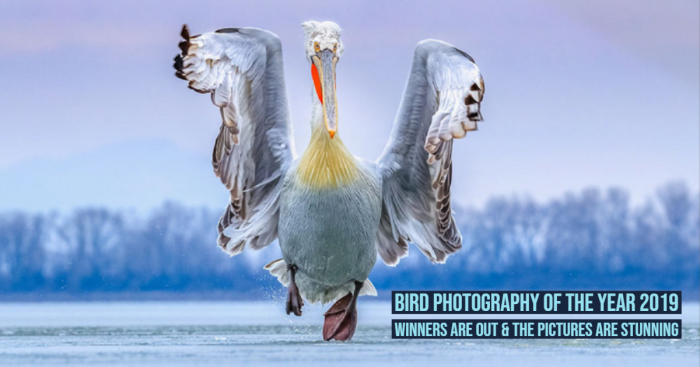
(184, 47)
(179, 64)
(185, 32)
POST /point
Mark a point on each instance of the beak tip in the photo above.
(332, 133)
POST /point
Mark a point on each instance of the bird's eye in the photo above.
(317, 47)
(335, 47)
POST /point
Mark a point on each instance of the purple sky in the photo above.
(578, 93)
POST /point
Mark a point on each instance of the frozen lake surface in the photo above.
(242, 333)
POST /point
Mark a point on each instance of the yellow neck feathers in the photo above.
(326, 162)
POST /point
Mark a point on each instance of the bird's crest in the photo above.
(324, 33)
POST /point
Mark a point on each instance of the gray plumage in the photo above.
(332, 235)
(416, 166)
(329, 234)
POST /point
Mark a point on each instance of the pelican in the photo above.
(331, 212)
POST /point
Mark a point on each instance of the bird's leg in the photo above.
(294, 301)
(341, 318)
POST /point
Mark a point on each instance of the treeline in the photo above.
(589, 240)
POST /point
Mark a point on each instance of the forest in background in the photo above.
(593, 239)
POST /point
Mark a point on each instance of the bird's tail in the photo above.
(278, 269)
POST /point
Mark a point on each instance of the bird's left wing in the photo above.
(441, 102)
(242, 70)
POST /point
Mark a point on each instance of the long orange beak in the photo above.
(323, 74)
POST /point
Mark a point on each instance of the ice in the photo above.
(239, 333)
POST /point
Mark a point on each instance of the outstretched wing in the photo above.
(441, 102)
(242, 69)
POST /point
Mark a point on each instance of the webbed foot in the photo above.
(294, 301)
(341, 318)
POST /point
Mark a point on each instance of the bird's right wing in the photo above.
(242, 70)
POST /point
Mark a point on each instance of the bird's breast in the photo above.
(329, 232)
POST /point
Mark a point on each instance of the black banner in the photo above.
(536, 302)
(536, 329)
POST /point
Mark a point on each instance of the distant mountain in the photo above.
(138, 174)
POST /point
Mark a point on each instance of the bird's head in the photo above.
(323, 50)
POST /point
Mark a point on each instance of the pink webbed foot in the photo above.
(341, 318)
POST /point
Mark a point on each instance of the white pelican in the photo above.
(332, 212)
